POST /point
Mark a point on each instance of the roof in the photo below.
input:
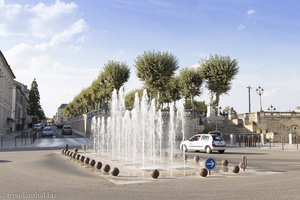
(62, 106)
(5, 61)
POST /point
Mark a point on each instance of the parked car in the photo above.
(204, 142)
(48, 131)
(66, 129)
(37, 126)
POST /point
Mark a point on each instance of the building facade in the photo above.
(6, 85)
(19, 106)
(60, 118)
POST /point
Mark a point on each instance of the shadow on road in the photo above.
(4, 161)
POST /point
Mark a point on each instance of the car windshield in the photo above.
(47, 129)
(66, 127)
(217, 138)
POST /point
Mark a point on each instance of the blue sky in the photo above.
(64, 44)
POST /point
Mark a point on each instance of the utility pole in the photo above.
(249, 88)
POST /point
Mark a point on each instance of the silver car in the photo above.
(204, 142)
(66, 129)
(48, 132)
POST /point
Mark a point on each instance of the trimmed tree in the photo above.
(190, 83)
(155, 69)
(218, 71)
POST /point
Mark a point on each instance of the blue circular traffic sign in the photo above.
(210, 163)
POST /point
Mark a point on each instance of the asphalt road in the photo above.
(48, 173)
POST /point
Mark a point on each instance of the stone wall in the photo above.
(281, 123)
(192, 126)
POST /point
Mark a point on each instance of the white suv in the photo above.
(204, 142)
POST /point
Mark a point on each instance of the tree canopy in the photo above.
(155, 69)
(34, 107)
(218, 71)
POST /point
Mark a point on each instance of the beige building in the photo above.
(60, 118)
(19, 106)
(6, 85)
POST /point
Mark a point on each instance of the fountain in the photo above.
(140, 137)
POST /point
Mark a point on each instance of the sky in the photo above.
(64, 44)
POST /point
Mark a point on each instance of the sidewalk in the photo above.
(15, 139)
(273, 147)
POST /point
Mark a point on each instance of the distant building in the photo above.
(60, 118)
(6, 85)
(19, 106)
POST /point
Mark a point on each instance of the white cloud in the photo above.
(44, 32)
(250, 12)
(242, 26)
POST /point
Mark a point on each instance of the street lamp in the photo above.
(219, 108)
(260, 91)
(249, 88)
(271, 108)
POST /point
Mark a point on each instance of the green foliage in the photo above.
(190, 83)
(96, 96)
(155, 69)
(114, 75)
(199, 105)
(129, 98)
(218, 71)
(34, 107)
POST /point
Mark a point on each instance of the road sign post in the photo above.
(210, 164)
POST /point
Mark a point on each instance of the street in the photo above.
(59, 177)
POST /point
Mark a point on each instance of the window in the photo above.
(204, 138)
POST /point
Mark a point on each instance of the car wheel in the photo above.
(221, 151)
(184, 148)
(208, 149)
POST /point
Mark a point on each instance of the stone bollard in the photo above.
(243, 164)
(155, 174)
(87, 160)
(185, 156)
(197, 159)
(82, 158)
(203, 172)
(92, 163)
(235, 169)
(78, 156)
(76, 150)
(74, 155)
(67, 147)
(225, 163)
(106, 168)
(115, 172)
(99, 165)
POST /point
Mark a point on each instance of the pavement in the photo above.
(50, 175)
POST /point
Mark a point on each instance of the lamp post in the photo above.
(271, 108)
(260, 91)
(249, 88)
